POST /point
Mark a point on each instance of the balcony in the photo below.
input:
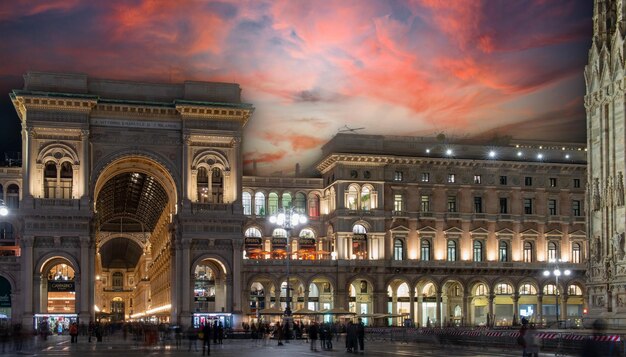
(56, 203)
(453, 216)
(207, 208)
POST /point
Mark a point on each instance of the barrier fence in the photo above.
(556, 341)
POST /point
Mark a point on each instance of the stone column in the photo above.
(237, 284)
(563, 307)
(86, 281)
(491, 309)
(185, 282)
(467, 313)
(412, 299)
(515, 299)
(185, 166)
(340, 246)
(39, 300)
(420, 312)
(175, 291)
(539, 308)
(27, 138)
(27, 279)
(438, 308)
(57, 189)
(84, 166)
(193, 191)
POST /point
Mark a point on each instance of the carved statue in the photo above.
(595, 250)
(616, 240)
(596, 194)
(619, 189)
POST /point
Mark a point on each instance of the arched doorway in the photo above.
(58, 295)
(452, 303)
(361, 300)
(210, 293)
(398, 302)
(5, 301)
(135, 221)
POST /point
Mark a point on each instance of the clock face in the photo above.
(367, 174)
(354, 174)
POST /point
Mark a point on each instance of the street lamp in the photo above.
(287, 219)
(557, 272)
(4, 210)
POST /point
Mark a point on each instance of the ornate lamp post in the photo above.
(557, 272)
(287, 219)
(4, 210)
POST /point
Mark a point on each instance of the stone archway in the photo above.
(135, 206)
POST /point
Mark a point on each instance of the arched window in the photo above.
(359, 228)
(307, 233)
(503, 289)
(273, 203)
(398, 249)
(451, 250)
(425, 250)
(202, 183)
(527, 289)
(118, 281)
(574, 290)
(300, 203)
(314, 205)
(549, 289)
(481, 290)
(246, 201)
(552, 252)
(366, 198)
(503, 251)
(279, 233)
(576, 254)
(66, 178)
(50, 180)
(286, 200)
(528, 252)
(217, 186)
(359, 242)
(259, 204)
(478, 251)
(6, 231)
(351, 197)
(13, 196)
(253, 232)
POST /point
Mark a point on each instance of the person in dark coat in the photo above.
(360, 332)
(313, 331)
(351, 338)
(206, 338)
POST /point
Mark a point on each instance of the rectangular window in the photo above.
(504, 205)
(478, 205)
(576, 208)
(425, 203)
(477, 179)
(425, 177)
(398, 176)
(528, 181)
(398, 205)
(451, 203)
(528, 206)
(552, 207)
(576, 183)
(528, 252)
(552, 181)
(451, 178)
(502, 180)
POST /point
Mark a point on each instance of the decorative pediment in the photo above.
(530, 232)
(554, 232)
(453, 230)
(479, 232)
(578, 234)
(427, 230)
(400, 229)
(505, 232)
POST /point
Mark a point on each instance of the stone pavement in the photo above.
(61, 346)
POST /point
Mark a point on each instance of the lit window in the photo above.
(477, 179)
(398, 249)
(503, 289)
(503, 251)
(451, 178)
(425, 177)
(552, 181)
(576, 258)
(425, 203)
(451, 203)
(451, 250)
(425, 250)
(528, 252)
(246, 200)
(398, 203)
(478, 251)
(398, 176)
(552, 252)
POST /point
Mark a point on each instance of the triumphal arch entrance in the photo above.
(130, 200)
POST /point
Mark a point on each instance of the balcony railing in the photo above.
(54, 203)
(197, 207)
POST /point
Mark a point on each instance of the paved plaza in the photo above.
(116, 346)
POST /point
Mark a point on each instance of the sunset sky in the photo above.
(466, 68)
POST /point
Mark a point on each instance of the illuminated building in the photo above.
(134, 192)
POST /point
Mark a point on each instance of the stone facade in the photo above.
(604, 102)
(131, 204)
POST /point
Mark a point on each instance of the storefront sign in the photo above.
(253, 242)
(60, 286)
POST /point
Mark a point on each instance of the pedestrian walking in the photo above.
(206, 338)
(74, 333)
(351, 338)
(192, 335)
(360, 331)
(313, 331)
